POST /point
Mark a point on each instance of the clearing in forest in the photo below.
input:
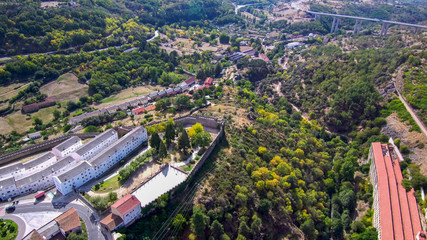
(66, 87)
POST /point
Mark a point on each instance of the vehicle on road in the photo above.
(38, 196)
(10, 208)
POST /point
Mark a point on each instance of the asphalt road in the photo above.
(93, 228)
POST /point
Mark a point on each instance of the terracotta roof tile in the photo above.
(125, 204)
(111, 221)
(69, 220)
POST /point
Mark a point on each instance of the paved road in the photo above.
(93, 228)
(156, 34)
(413, 114)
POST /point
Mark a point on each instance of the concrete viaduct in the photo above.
(385, 24)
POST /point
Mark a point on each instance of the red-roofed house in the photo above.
(208, 81)
(264, 57)
(150, 108)
(190, 81)
(139, 110)
(128, 208)
(123, 212)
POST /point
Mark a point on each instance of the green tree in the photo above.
(244, 230)
(217, 229)
(308, 228)
(169, 132)
(182, 102)
(179, 222)
(199, 222)
(56, 114)
(202, 139)
(163, 153)
(97, 97)
(347, 171)
(183, 141)
(155, 141)
(224, 38)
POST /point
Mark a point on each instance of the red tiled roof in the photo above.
(111, 221)
(190, 80)
(138, 110)
(208, 81)
(69, 220)
(125, 204)
(398, 210)
(33, 235)
(150, 108)
(264, 57)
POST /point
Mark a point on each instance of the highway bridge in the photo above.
(385, 24)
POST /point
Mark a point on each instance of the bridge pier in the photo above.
(384, 29)
(357, 26)
(335, 24)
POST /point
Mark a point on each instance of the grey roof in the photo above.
(44, 173)
(110, 150)
(79, 168)
(169, 90)
(34, 135)
(152, 95)
(177, 89)
(68, 143)
(49, 229)
(11, 168)
(94, 142)
(39, 160)
(7, 182)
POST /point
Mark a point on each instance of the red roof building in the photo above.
(150, 108)
(396, 213)
(139, 110)
(264, 57)
(190, 81)
(128, 208)
(208, 81)
(69, 221)
(34, 107)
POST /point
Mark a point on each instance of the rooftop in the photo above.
(119, 144)
(33, 235)
(69, 220)
(79, 168)
(7, 182)
(11, 168)
(38, 160)
(95, 142)
(68, 143)
(49, 230)
(111, 221)
(126, 203)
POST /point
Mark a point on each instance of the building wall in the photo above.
(75, 182)
(68, 151)
(132, 215)
(374, 181)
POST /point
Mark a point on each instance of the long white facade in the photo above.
(95, 146)
(67, 147)
(101, 163)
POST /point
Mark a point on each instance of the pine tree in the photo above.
(155, 141)
(169, 133)
(184, 141)
(163, 153)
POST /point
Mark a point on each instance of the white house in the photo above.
(66, 148)
(95, 145)
(74, 177)
(116, 152)
(123, 212)
(8, 188)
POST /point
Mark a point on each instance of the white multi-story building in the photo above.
(11, 170)
(8, 188)
(95, 145)
(106, 159)
(74, 177)
(102, 162)
(66, 148)
(43, 179)
(39, 163)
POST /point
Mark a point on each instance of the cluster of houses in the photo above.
(142, 102)
(59, 228)
(70, 164)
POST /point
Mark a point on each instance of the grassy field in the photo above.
(11, 230)
(126, 95)
(109, 185)
(20, 122)
(65, 88)
(9, 91)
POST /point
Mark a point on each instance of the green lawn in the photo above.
(9, 229)
(188, 167)
(112, 183)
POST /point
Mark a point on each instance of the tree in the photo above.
(163, 153)
(217, 229)
(179, 222)
(162, 104)
(224, 38)
(183, 141)
(347, 171)
(56, 114)
(97, 97)
(182, 102)
(199, 222)
(244, 230)
(169, 132)
(90, 128)
(308, 228)
(155, 141)
(202, 139)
